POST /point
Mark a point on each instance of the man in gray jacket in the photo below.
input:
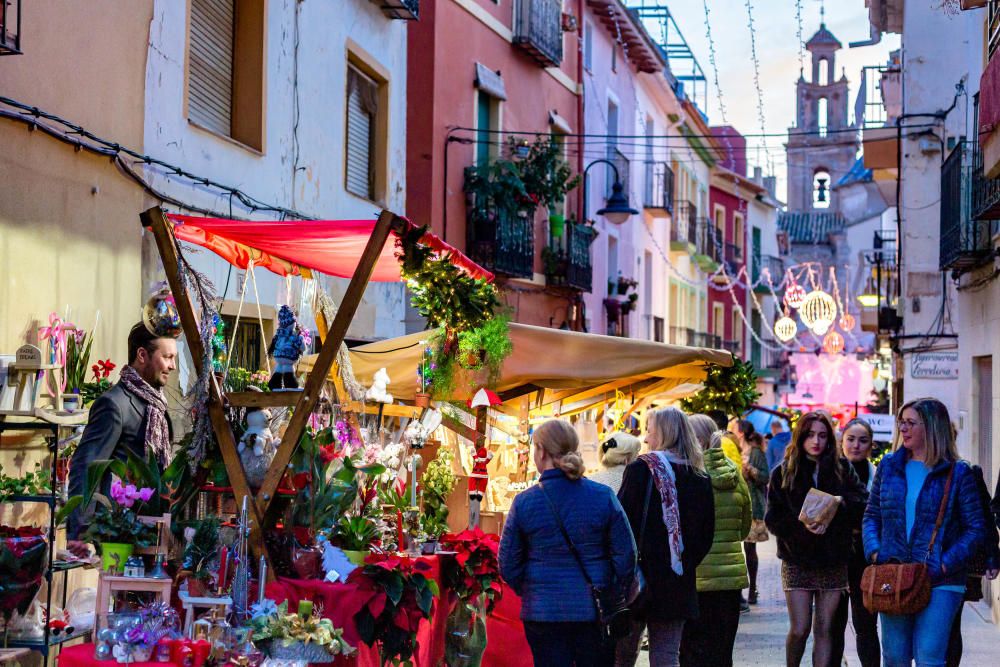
(129, 417)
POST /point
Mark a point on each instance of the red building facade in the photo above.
(480, 73)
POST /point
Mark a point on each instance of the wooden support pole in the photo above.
(387, 221)
(162, 230)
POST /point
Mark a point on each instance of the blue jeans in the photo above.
(922, 637)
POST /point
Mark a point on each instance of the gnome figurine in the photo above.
(286, 347)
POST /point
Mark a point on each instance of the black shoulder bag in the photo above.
(611, 604)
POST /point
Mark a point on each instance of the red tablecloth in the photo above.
(506, 647)
(82, 655)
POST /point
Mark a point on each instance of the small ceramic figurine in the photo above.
(379, 391)
(286, 347)
(257, 446)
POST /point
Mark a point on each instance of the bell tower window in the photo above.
(821, 189)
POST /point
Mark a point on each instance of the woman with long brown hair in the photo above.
(814, 556)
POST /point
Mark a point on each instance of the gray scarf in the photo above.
(157, 430)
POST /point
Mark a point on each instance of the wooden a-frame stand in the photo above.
(262, 507)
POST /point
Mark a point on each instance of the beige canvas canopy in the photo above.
(572, 365)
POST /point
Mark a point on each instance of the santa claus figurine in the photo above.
(478, 480)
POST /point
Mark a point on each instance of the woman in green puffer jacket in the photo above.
(723, 574)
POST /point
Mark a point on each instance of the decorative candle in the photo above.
(305, 608)
(261, 580)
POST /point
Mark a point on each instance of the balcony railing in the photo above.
(707, 242)
(732, 346)
(10, 27)
(501, 241)
(883, 95)
(684, 230)
(570, 265)
(775, 268)
(659, 193)
(966, 242)
(538, 30)
(681, 336)
(702, 339)
(407, 10)
(623, 166)
(993, 27)
(734, 253)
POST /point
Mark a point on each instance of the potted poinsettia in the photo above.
(397, 595)
(115, 528)
(474, 580)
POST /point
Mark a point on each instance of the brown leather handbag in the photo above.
(902, 588)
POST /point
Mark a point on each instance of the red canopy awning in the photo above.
(286, 247)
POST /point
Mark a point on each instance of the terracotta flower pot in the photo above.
(422, 399)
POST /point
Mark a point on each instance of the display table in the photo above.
(82, 655)
(506, 646)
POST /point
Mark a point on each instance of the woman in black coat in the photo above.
(673, 469)
(813, 558)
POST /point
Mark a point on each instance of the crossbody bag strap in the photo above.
(565, 534)
(941, 510)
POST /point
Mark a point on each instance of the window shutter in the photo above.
(210, 79)
(359, 177)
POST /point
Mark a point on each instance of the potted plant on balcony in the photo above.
(545, 175)
(625, 284)
(555, 265)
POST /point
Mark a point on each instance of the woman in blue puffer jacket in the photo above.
(899, 521)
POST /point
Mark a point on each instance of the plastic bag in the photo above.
(819, 508)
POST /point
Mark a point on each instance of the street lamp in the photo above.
(617, 210)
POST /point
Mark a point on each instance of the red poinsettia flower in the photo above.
(97, 371)
(106, 366)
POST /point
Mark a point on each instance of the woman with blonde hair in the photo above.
(564, 537)
(922, 476)
(667, 496)
(617, 451)
(723, 573)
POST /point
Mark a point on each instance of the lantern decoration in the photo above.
(785, 329)
(818, 311)
(847, 322)
(795, 295)
(833, 343)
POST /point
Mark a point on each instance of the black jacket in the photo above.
(670, 596)
(116, 426)
(795, 543)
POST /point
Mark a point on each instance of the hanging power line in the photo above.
(756, 82)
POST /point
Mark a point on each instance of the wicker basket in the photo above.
(311, 653)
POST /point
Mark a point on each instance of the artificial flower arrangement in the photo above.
(302, 636)
(199, 565)
(438, 482)
(397, 595)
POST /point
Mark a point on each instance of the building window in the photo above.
(720, 225)
(737, 330)
(588, 46)
(821, 189)
(226, 69)
(248, 345)
(366, 127)
(738, 232)
(487, 126)
(658, 329)
(822, 76)
(821, 116)
(719, 321)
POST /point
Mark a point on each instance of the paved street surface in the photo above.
(761, 639)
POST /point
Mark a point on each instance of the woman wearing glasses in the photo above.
(905, 500)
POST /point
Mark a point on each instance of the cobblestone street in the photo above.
(761, 639)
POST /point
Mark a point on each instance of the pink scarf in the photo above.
(666, 484)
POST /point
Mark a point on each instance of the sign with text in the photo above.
(883, 426)
(934, 365)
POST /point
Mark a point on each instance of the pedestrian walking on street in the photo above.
(814, 556)
(536, 560)
(901, 525)
(617, 451)
(856, 442)
(668, 499)
(985, 564)
(755, 471)
(776, 445)
(708, 641)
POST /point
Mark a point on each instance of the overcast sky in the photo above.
(778, 51)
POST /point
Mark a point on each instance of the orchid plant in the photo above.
(116, 519)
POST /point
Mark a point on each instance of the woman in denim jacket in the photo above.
(899, 521)
(560, 619)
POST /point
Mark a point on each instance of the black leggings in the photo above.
(750, 549)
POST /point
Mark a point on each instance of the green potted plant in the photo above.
(115, 528)
(356, 534)
(199, 557)
(438, 482)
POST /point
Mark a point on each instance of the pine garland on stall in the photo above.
(732, 390)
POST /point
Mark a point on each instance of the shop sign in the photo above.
(883, 426)
(934, 366)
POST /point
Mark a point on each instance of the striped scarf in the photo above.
(666, 484)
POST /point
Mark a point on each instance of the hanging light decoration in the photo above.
(818, 311)
(785, 329)
(833, 343)
(795, 295)
(847, 322)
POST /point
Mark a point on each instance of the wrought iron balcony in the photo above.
(775, 268)
(10, 27)
(708, 245)
(732, 346)
(968, 204)
(501, 241)
(538, 30)
(567, 260)
(659, 192)
(682, 336)
(734, 253)
(684, 227)
(703, 339)
(407, 10)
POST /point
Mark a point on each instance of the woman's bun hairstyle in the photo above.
(571, 464)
